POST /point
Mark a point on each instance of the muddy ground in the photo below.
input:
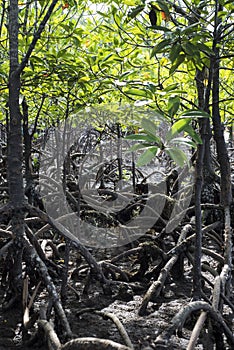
(124, 302)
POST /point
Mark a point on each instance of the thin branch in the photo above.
(36, 37)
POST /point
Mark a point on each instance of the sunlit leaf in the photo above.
(136, 92)
(177, 155)
(130, 2)
(147, 156)
(195, 114)
(171, 87)
(177, 127)
(183, 141)
(84, 79)
(142, 103)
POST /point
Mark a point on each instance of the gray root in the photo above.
(90, 343)
(51, 337)
(119, 325)
(179, 319)
(75, 242)
(157, 286)
(42, 269)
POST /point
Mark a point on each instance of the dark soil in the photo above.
(123, 302)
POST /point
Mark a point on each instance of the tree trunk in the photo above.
(223, 158)
(15, 152)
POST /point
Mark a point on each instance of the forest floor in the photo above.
(123, 303)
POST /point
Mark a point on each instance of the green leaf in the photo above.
(174, 52)
(164, 7)
(171, 87)
(38, 59)
(179, 60)
(189, 48)
(76, 40)
(183, 141)
(129, 2)
(195, 114)
(116, 19)
(138, 92)
(193, 28)
(192, 133)
(142, 137)
(204, 48)
(173, 105)
(147, 156)
(160, 47)
(134, 12)
(149, 126)
(139, 146)
(177, 127)
(177, 155)
(161, 28)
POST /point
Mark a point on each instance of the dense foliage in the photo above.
(153, 78)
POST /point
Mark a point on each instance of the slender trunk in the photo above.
(15, 152)
(223, 158)
(203, 157)
(27, 154)
(197, 287)
(14, 142)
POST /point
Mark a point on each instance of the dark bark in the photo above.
(14, 142)
(223, 159)
(27, 153)
(15, 151)
(203, 151)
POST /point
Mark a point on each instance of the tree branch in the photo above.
(36, 37)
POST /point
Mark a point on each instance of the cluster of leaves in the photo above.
(109, 51)
(180, 135)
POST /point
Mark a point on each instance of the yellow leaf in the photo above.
(83, 79)
(130, 2)
(163, 61)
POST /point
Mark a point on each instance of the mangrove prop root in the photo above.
(157, 286)
(90, 343)
(179, 319)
